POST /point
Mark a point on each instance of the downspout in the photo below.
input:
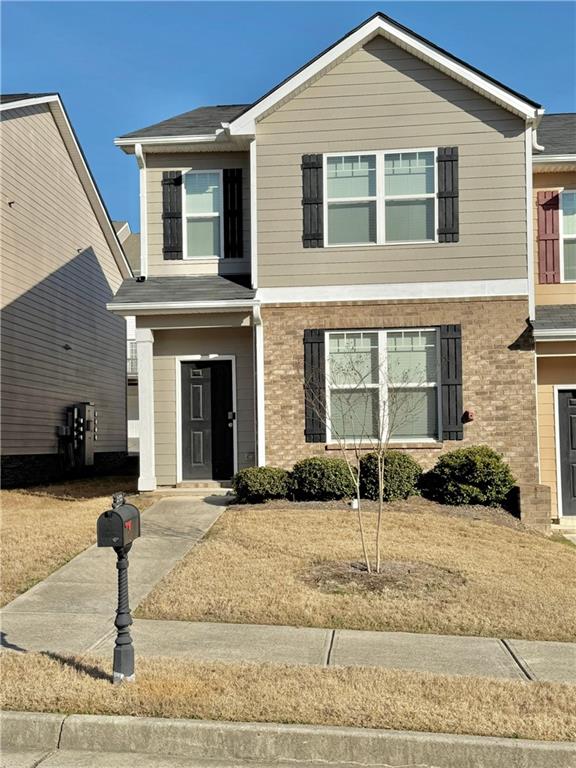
(141, 160)
(259, 386)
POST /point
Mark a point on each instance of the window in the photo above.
(568, 230)
(202, 205)
(132, 357)
(383, 383)
(381, 197)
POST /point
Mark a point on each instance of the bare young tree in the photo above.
(370, 397)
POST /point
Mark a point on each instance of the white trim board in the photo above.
(178, 360)
(378, 24)
(391, 291)
(528, 138)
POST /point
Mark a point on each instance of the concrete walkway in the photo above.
(74, 608)
(72, 612)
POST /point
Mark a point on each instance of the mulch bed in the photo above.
(395, 577)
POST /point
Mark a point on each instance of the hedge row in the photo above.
(473, 475)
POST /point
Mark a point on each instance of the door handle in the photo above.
(232, 415)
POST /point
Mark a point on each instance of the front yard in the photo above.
(448, 570)
(45, 526)
(361, 697)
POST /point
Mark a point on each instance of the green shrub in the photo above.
(255, 485)
(474, 475)
(322, 479)
(401, 476)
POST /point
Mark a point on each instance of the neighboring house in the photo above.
(555, 315)
(61, 263)
(131, 244)
(379, 201)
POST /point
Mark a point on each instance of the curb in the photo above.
(203, 739)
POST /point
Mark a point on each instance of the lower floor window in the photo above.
(383, 385)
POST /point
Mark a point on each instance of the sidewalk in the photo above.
(74, 608)
(72, 612)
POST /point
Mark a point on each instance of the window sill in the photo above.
(384, 245)
(201, 259)
(434, 444)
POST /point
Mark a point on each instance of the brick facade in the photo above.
(498, 372)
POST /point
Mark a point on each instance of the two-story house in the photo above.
(555, 313)
(61, 263)
(377, 203)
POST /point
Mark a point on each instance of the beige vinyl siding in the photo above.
(552, 371)
(207, 161)
(382, 98)
(551, 293)
(169, 344)
(57, 274)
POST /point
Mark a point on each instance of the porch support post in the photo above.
(259, 372)
(145, 351)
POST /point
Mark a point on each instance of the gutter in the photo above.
(555, 334)
(186, 306)
(554, 159)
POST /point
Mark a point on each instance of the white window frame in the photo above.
(562, 236)
(382, 386)
(380, 197)
(186, 215)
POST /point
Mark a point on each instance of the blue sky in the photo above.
(120, 66)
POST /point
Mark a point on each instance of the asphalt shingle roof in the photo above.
(557, 134)
(198, 122)
(6, 98)
(555, 317)
(181, 289)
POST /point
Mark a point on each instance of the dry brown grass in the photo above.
(255, 565)
(363, 697)
(45, 526)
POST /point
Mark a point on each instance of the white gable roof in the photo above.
(379, 24)
(53, 101)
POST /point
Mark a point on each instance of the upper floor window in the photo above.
(381, 197)
(568, 235)
(202, 205)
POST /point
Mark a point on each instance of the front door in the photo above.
(567, 441)
(207, 420)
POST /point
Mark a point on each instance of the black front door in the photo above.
(567, 440)
(207, 421)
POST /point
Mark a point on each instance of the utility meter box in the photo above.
(118, 527)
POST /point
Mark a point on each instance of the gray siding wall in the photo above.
(381, 97)
(169, 344)
(57, 275)
(209, 161)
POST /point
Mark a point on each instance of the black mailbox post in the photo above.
(118, 528)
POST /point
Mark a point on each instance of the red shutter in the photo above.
(549, 237)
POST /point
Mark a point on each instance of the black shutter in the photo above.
(314, 387)
(312, 210)
(448, 220)
(233, 240)
(451, 381)
(172, 214)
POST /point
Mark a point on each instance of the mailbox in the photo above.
(118, 527)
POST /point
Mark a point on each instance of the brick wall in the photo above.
(498, 372)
